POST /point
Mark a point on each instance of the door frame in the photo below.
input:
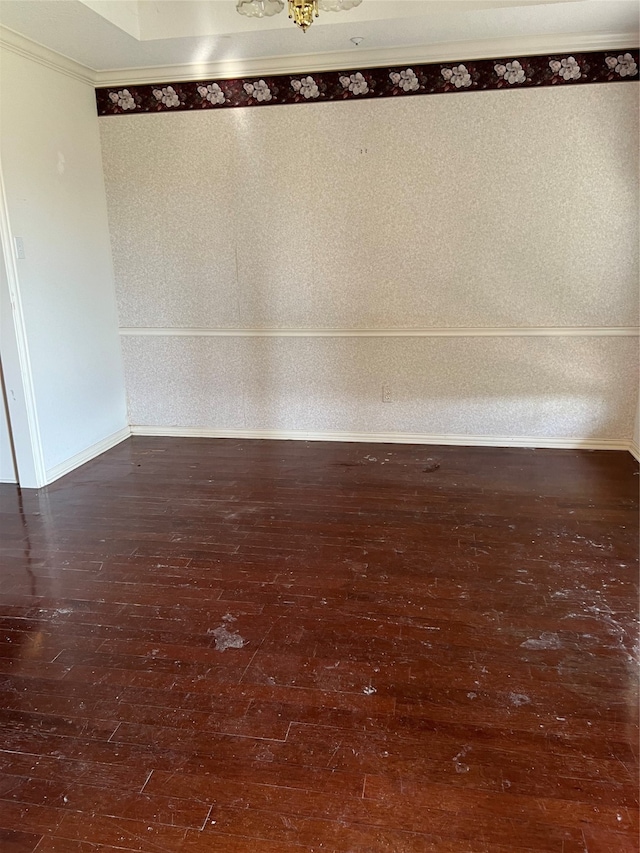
(16, 363)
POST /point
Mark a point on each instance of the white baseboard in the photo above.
(634, 450)
(87, 455)
(7, 482)
(388, 437)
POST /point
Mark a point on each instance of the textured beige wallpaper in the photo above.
(561, 386)
(496, 209)
(487, 209)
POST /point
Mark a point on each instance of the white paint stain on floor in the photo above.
(459, 765)
(226, 639)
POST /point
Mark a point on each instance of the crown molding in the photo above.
(14, 42)
(336, 61)
(340, 60)
(460, 332)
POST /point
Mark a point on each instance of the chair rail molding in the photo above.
(443, 332)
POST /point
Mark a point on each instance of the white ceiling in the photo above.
(107, 35)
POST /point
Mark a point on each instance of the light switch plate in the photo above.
(19, 245)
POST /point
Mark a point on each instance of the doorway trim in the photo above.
(18, 376)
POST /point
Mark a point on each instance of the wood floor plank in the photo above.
(12, 841)
(287, 646)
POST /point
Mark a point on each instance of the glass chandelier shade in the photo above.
(259, 8)
(337, 5)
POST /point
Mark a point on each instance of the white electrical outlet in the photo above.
(386, 393)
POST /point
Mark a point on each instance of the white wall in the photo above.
(55, 196)
(7, 468)
(511, 209)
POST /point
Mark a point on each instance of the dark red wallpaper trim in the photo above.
(400, 81)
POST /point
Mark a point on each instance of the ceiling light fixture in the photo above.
(301, 12)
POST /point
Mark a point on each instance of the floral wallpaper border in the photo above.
(401, 81)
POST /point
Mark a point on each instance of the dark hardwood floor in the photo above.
(210, 646)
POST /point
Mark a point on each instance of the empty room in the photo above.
(319, 426)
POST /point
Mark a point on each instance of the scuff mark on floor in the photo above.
(546, 640)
